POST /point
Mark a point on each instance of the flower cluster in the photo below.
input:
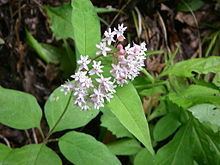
(90, 88)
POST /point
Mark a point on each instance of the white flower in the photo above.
(120, 31)
(82, 79)
(108, 96)
(103, 49)
(83, 62)
(120, 74)
(121, 81)
(67, 87)
(97, 98)
(97, 68)
(143, 47)
(92, 92)
(78, 75)
(109, 36)
(105, 84)
(81, 98)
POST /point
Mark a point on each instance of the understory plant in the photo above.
(171, 118)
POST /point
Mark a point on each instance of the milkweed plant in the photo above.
(90, 89)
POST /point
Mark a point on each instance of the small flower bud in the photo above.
(120, 38)
(119, 46)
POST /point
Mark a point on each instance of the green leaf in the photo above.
(86, 27)
(111, 122)
(34, 154)
(160, 110)
(127, 107)
(153, 91)
(178, 151)
(205, 144)
(124, 147)
(80, 148)
(144, 157)
(61, 113)
(192, 141)
(166, 126)
(60, 21)
(4, 152)
(198, 65)
(195, 94)
(190, 5)
(47, 52)
(63, 56)
(208, 114)
(19, 110)
(216, 80)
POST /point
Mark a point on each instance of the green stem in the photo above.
(151, 78)
(57, 122)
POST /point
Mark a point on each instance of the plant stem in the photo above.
(148, 75)
(41, 133)
(61, 116)
(52, 140)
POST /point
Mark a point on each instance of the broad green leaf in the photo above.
(34, 154)
(166, 126)
(4, 152)
(80, 148)
(192, 141)
(195, 94)
(60, 21)
(178, 151)
(127, 107)
(86, 27)
(47, 52)
(111, 122)
(61, 113)
(144, 157)
(198, 65)
(190, 5)
(205, 144)
(19, 110)
(208, 114)
(124, 147)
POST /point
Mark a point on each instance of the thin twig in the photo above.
(41, 133)
(34, 136)
(5, 140)
(52, 140)
(28, 136)
(197, 26)
(123, 7)
(164, 31)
